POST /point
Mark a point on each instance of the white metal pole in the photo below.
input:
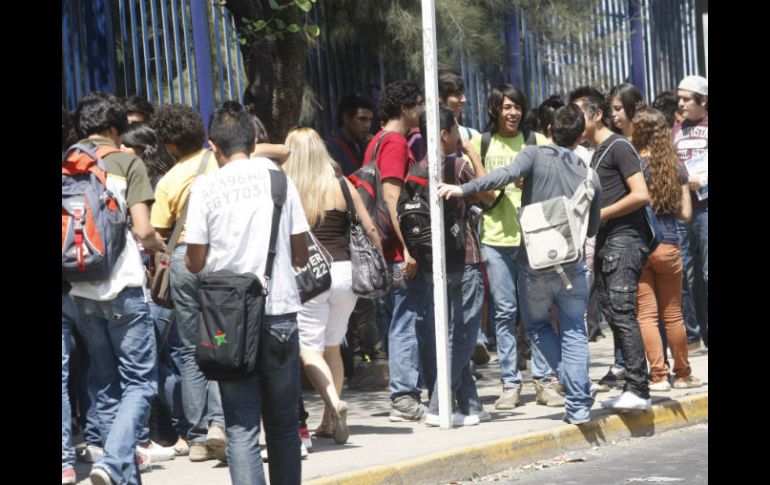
(436, 212)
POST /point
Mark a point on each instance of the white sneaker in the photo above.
(459, 419)
(431, 420)
(302, 452)
(157, 452)
(628, 401)
(661, 386)
(608, 403)
(484, 416)
(143, 460)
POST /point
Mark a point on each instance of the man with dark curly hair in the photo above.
(181, 129)
(411, 303)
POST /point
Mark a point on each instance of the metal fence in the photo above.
(186, 51)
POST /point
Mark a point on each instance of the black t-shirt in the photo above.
(619, 163)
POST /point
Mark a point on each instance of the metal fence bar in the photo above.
(145, 50)
(228, 40)
(156, 51)
(167, 49)
(216, 48)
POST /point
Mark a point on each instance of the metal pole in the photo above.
(637, 44)
(436, 212)
(203, 70)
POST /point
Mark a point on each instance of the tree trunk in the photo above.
(275, 71)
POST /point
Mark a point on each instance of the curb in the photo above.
(485, 458)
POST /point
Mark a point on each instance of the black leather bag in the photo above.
(370, 270)
(315, 277)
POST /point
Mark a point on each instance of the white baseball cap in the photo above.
(695, 84)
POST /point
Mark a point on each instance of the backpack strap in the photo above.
(486, 138)
(278, 186)
(530, 138)
(621, 139)
(179, 224)
(377, 146)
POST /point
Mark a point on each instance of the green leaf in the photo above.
(274, 5)
(280, 35)
(279, 23)
(313, 30)
(242, 41)
(293, 28)
(304, 5)
(270, 37)
(260, 25)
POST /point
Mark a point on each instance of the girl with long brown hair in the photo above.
(660, 284)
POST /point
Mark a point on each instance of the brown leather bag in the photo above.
(160, 263)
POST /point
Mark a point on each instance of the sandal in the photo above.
(341, 431)
(324, 430)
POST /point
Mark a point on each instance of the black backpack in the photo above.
(529, 139)
(414, 219)
(368, 183)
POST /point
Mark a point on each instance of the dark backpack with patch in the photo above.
(93, 225)
(414, 218)
(368, 182)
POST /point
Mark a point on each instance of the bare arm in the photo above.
(391, 189)
(631, 202)
(363, 216)
(195, 259)
(274, 151)
(487, 197)
(686, 213)
(143, 231)
(299, 255)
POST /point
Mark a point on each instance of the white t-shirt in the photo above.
(466, 133)
(231, 210)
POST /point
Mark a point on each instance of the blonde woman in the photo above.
(323, 320)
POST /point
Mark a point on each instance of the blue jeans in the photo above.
(465, 294)
(691, 324)
(619, 263)
(120, 338)
(502, 270)
(200, 397)
(412, 338)
(272, 392)
(567, 351)
(68, 319)
(169, 365)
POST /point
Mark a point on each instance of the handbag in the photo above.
(315, 277)
(371, 278)
(233, 309)
(160, 264)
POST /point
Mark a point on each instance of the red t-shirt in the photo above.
(394, 159)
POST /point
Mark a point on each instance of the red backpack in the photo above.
(93, 225)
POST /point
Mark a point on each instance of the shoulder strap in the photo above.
(179, 224)
(348, 199)
(377, 146)
(529, 138)
(278, 192)
(621, 139)
(486, 138)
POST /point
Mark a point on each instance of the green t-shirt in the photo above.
(500, 226)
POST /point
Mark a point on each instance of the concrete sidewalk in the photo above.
(411, 453)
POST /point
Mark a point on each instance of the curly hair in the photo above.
(395, 95)
(652, 135)
(180, 125)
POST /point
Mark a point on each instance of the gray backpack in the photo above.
(554, 230)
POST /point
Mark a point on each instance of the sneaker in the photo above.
(692, 347)
(458, 419)
(200, 452)
(569, 420)
(615, 376)
(474, 371)
(157, 452)
(480, 354)
(304, 436)
(341, 431)
(628, 401)
(68, 476)
(660, 386)
(181, 448)
(509, 399)
(406, 408)
(91, 453)
(484, 416)
(216, 441)
(143, 460)
(99, 476)
(547, 394)
(687, 383)
(596, 389)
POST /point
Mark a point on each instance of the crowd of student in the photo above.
(121, 351)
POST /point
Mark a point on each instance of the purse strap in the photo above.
(278, 192)
(352, 215)
(183, 216)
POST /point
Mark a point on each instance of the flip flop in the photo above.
(341, 431)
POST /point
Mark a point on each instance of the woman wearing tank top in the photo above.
(660, 284)
(323, 320)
